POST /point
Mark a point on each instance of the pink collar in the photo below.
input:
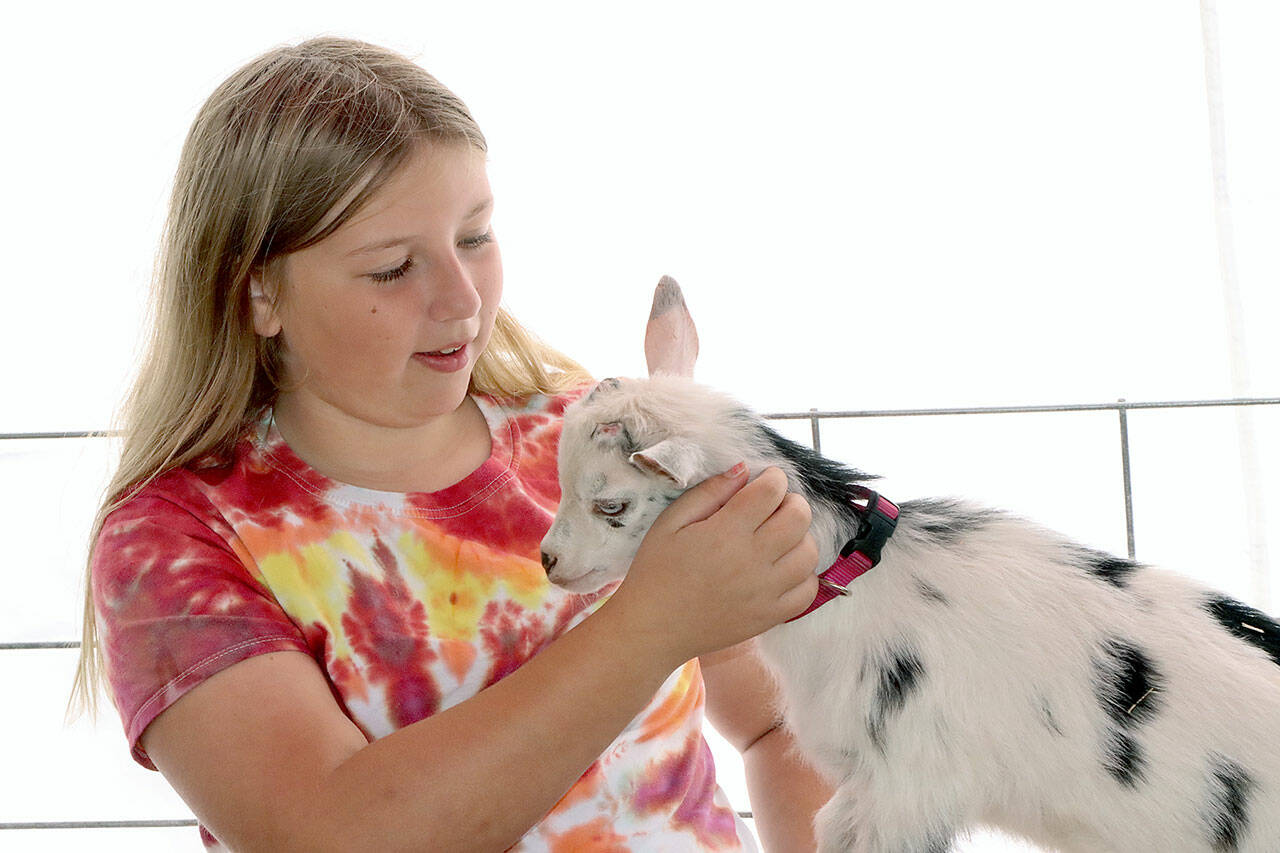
(876, 523)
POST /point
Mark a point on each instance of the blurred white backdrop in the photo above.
(869, 206)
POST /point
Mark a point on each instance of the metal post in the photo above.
(1128, 478)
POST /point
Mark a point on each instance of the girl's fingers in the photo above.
(756, 501)
(793, 568)
(788, 524)
(795, 600)
(703, 500)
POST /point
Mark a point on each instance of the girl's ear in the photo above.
(266, 319)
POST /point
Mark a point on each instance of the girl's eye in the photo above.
(469, 243)
(610, 509)
(392, 275)
(478, 240)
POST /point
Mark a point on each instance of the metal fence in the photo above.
(815, 418)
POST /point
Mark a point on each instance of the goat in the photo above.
(987, 672)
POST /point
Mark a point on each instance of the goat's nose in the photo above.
(548, 562)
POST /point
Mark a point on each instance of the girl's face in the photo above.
(365, 312)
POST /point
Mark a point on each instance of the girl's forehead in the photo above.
(437, 183)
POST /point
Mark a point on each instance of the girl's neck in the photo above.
(425, 457)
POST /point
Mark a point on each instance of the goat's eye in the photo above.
(611, 509)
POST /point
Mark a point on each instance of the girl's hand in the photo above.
(723, 563)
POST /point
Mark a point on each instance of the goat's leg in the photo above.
(854, 822)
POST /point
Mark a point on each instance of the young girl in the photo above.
(315, 587)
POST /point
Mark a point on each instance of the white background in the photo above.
(869, 206)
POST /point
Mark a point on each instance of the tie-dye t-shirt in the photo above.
(410, 603)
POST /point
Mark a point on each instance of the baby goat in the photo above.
(986, 672)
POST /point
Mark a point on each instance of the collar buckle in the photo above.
(876, 523)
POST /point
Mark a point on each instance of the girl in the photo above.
(315, 589)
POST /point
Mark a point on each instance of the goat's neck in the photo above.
(834, 522)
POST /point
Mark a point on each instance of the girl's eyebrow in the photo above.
(397, 241)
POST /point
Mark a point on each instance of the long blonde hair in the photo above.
(284, 152)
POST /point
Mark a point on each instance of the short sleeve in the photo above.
(175, 604)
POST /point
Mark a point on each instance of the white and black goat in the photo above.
(987, 672)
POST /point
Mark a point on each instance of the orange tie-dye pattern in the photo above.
(668, 718)
(596, 836)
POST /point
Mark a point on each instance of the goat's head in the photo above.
(628, 449)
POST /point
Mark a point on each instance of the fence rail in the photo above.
(814, 416)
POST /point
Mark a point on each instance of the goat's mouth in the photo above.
(590, 581)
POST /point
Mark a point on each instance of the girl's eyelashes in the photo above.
(478, 240)
(467, 243)
(393, 274)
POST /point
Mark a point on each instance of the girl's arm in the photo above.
(267, 760)
(785, 791)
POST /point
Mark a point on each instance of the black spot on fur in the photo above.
(1046, 716)
(1127, 685)
(865, 670)
(1114, 570)
(823, 479)
(942, 520)
(1228, 815)
(628, 443)
(929, 592)
(1123, 758)
(938, 843)
(614, 523)
(1252, 626)
(898, 680)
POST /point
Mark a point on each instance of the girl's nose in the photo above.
(453, 294)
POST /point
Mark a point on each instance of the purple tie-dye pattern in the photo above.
(686, 779)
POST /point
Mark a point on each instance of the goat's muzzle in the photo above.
(548, 562)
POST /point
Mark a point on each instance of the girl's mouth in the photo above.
(447, 360)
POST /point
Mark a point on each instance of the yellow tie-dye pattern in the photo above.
(526, 579)
(347, 545)
(309, 585)
(454, 597)
(523, 578)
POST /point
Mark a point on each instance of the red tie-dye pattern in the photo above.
(408, 603)
(507, 521)
(511, 636)
(258, 489)
(344, 675)
(387, 627)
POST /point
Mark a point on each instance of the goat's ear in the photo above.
(674, 459)
(670, 338)
(614, 433)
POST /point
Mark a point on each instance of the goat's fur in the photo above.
(988, 671)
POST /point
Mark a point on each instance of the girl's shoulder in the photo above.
(552, 403)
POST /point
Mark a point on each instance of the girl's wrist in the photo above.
(644, 639)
